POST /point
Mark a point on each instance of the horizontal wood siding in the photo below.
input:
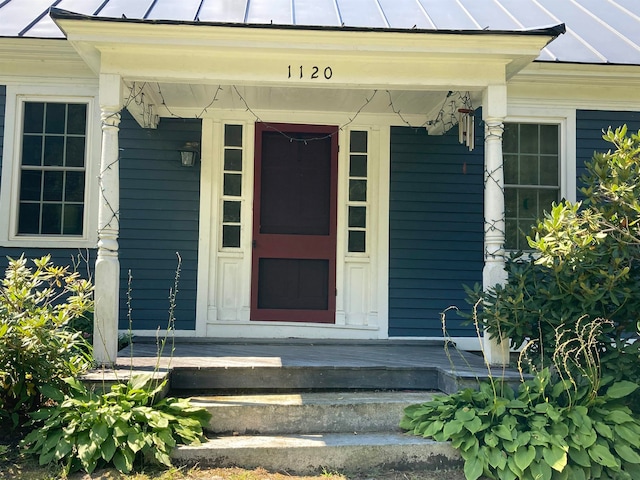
(436, 230)
(590, 125)
(159, 210)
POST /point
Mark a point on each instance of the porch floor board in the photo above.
(280, 365)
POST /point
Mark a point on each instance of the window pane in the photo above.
(233, 160)
(32, 150)
(74, 187)
(29, 218)
(232, 184)
(511, 169)
(528, 138)
(231, 235)
(510, 202)
(53, 186)
(357, 217)
(231, 212)
(30, 185)
(53, 151)
(33, 117)
(358, 142)
(549, 171)
(75, 152)
(512, 235)
(55, 118)
(549, 139)
(527, 204)
(528, 170)
(357, 240)
(547, 197)
(510, 138)
(525, 227)
(77, 119)
(233, 135)
(358, 166)
(52, 218)
(358, 190)
(73, 219)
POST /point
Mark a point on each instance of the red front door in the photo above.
(294, 223)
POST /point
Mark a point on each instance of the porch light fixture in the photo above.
(189, 154)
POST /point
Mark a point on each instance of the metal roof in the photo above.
(598, 31)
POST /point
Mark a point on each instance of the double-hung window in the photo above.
(50, 157)
(531, 154)
(52, 169)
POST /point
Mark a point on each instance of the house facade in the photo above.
(319, 170)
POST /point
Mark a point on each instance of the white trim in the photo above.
(565, 117)
(15, 98)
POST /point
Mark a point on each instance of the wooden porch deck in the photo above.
(199, 365)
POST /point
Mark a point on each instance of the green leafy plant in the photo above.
(534, 433)
(37, 347)
(84, 430)
(584, 262)
(568, 421)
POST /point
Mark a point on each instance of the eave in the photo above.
(260, 55)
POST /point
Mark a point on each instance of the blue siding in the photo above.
(590, 125)
(159, 205)
(436, 230)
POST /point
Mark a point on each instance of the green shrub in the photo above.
(585, 263)
(129, 424)
(37, 349)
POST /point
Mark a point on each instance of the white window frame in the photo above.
(16, 97)
(565, 118)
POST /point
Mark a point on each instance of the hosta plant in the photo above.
(549, 429)
(84, 430)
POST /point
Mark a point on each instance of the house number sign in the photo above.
(312, 72)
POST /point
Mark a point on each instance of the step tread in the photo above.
(312, 398)
(319, 440)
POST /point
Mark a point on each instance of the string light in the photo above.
(445, 119)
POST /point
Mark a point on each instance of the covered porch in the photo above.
(305, 84)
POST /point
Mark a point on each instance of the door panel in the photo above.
(294, 231)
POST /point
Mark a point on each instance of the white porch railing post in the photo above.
(107, 270)
(494, 112)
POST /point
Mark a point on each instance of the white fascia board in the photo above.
(219, 54)
(47, 59)
(611, 87)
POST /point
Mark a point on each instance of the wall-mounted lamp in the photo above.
(189, 153)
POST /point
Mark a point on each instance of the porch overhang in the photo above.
(297, 65)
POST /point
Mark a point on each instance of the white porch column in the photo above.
(107, 273)
(494, 111)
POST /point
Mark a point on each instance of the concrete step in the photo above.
(283, 378)
(313, 412)
(309, 454)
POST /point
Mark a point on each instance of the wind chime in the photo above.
(466, 127)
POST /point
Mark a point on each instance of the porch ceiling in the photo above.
(169, 99)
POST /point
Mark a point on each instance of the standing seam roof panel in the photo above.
(185, 10)
(494, 18)
(231, 11)
(357, 12)
(405, 14)
(596, 34)
(317, 12)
